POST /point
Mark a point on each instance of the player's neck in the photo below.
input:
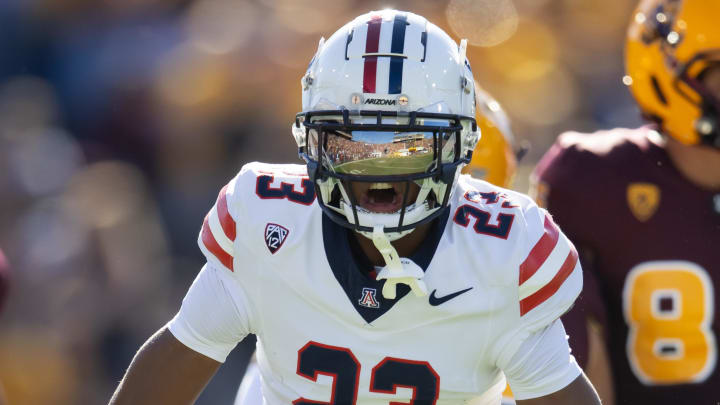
(699, 164)
(405, 246)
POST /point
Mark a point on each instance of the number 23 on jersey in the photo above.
(668, 307)
(341, 364)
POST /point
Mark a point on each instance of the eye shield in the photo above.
(384, 145)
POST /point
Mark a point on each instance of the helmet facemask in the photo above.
(416, 150)
(689, 84)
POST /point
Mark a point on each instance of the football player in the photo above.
(376, 273)
(496, 154)
(643, 205)
(494, 160)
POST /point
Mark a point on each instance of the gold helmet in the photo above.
(494, 158)
(670, 44)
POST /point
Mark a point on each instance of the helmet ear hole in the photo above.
(658, 91)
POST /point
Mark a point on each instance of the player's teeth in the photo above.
(380, 186)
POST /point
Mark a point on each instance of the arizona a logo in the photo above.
(368, 298)
(275, 236)
(643, 199)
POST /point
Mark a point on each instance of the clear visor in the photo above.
(383, 153)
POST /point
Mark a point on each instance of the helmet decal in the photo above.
(372, 53)
(371, 48)
(396, 48)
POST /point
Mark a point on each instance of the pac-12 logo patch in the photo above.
(275, 236)
(368, 298)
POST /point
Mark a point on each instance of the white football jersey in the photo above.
(498, 270)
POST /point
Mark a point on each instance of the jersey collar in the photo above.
(350, 267)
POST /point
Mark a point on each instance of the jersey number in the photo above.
(668, 307)
(340, 364)
(286, 190)
(482, 221)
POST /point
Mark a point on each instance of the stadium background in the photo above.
(121, 119)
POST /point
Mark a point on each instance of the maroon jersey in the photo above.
(4, 276)
(650, 240)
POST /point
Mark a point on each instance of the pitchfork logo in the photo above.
(275, 236)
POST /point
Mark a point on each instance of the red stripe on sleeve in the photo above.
(212, 245)
(550, 288)
(226, 221)
(540, 251)
(372, 44)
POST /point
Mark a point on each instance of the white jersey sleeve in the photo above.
(543, 364)
(215, 313)
(550, 275)
(212, 318)
(549, 279)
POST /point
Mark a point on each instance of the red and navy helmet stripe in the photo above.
(397, 47)
(371, 46)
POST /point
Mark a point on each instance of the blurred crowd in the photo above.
(121, 119)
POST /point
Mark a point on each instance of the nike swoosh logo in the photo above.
(435, 301)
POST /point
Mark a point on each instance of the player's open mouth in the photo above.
(381, 197)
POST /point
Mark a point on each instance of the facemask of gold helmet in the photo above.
(495, 157)
(670, 44)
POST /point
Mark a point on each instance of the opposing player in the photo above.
(644, 207)
(376, 273)
(496, 154)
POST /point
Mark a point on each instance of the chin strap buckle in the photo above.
(397, 270)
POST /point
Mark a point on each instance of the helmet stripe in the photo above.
(397, 47)
(371, 46)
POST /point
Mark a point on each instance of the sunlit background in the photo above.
(121, 119)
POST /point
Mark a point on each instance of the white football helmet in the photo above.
(389, 98)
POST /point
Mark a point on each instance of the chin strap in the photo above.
(397, 270)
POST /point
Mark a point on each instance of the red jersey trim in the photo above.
(214, 248)
(226, 221)
(532, 301)
(540, 251)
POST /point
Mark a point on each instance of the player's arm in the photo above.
(542, 371)
(598, 366)
(585, 323)
(554, 186)
(176, 363)
(534, 353)
(578, 392)
(164, 371)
